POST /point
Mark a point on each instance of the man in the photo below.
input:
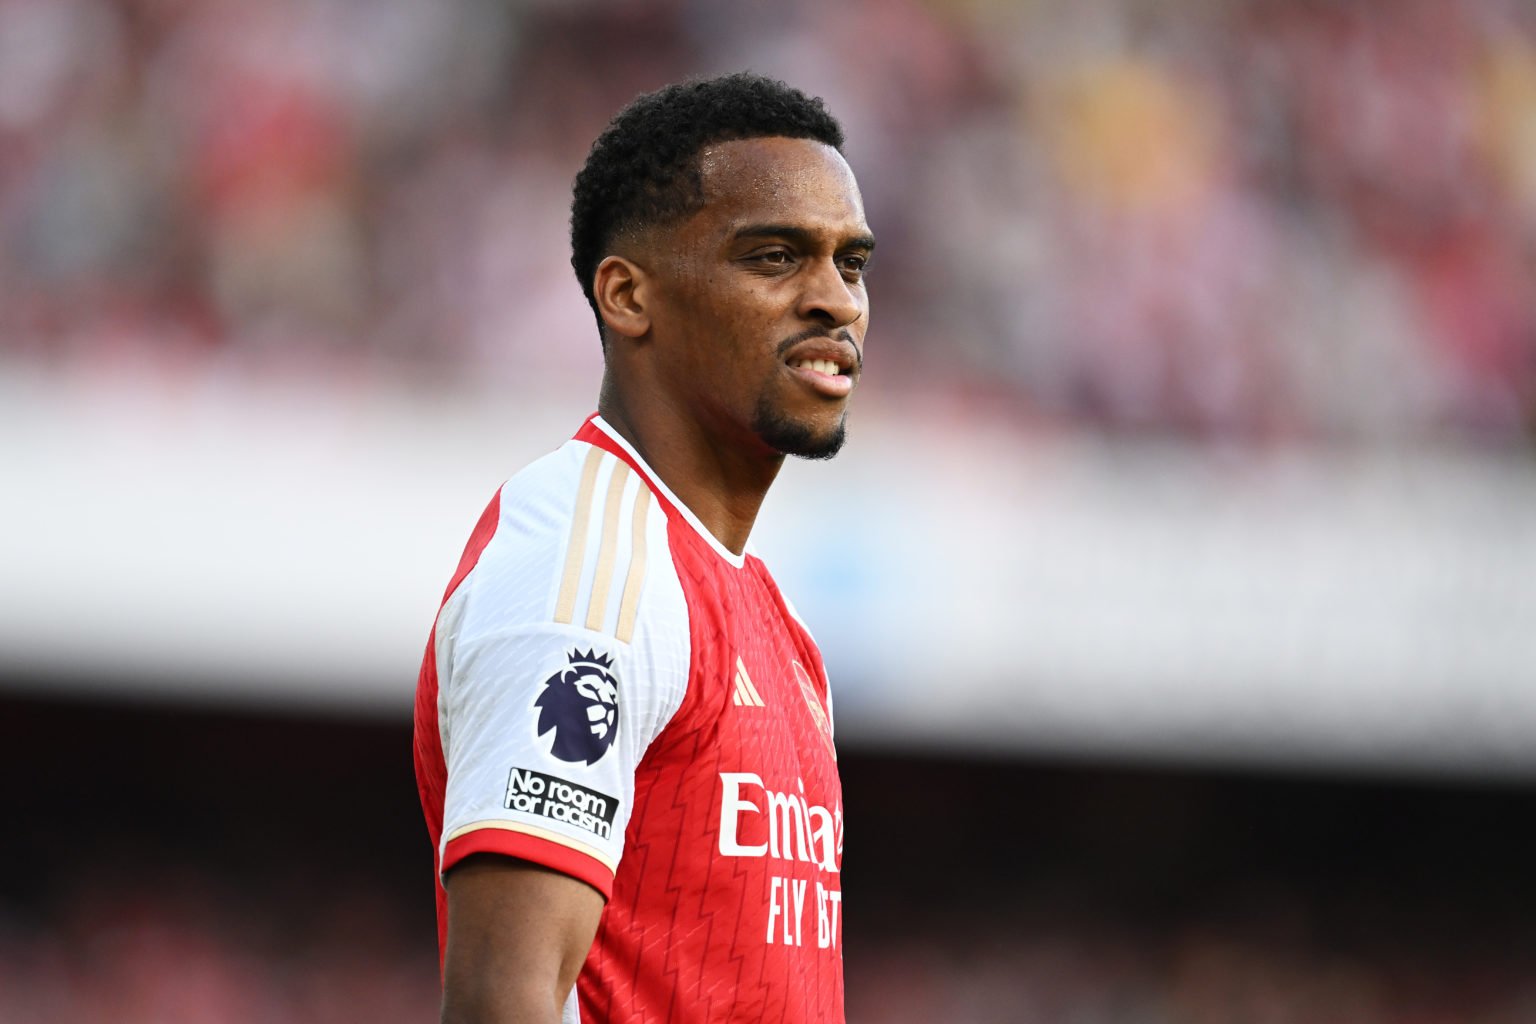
(623, 732)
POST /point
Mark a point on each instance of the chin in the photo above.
(796, 437)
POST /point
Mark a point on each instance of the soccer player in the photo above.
(623, 730)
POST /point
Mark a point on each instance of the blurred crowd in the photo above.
(195, 947)
(174, 865)
(187, 949)
(1078, 972)
(1238, 220)
(1247, 220)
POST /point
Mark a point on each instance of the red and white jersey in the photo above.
(611, 693)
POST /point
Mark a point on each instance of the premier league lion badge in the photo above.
(581, 704)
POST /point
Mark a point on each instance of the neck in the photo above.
(721, 478)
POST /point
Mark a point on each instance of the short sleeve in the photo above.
(560, 658)
(544, 729)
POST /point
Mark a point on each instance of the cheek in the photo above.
(726, 321)
(744, 313)
(758, 304)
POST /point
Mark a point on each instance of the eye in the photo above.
(854, 264)
(771, 258)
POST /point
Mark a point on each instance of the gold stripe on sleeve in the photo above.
(575, 550)
(629, 606)
(603, 580)
(542, 833)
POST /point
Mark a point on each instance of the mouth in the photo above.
(829, 366)
(828, 377)
(825, 367)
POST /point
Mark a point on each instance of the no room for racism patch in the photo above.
(534, 792)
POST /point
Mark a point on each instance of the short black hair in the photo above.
(643, 169)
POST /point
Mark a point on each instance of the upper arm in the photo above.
(559, 658)
(517, 936)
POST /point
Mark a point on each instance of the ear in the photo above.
(621, 288)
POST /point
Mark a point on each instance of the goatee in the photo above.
(794, 438)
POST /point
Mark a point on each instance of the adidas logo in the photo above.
(746, 693)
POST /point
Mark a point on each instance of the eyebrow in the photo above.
(800, 236)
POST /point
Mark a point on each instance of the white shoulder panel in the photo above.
(561, 656)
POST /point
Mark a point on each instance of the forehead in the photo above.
(777, 180)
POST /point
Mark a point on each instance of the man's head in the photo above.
(720, 238)
(643, 170)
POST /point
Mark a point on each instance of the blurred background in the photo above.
(1178, 585)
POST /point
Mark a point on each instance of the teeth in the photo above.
(825, 366)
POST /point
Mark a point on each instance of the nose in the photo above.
(829, 298)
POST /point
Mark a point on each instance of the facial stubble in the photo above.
(793, 437)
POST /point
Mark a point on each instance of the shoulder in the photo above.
(576, 539)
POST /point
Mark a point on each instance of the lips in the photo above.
(825, 366)
(827, 356)
(822, 366)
